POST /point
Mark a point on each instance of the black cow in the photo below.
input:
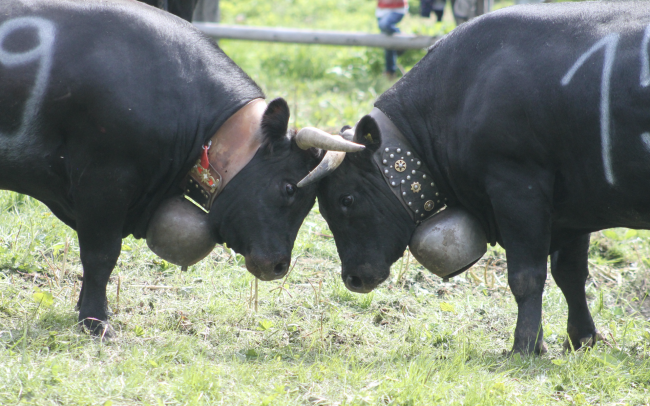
(534, 119)
(104, 109)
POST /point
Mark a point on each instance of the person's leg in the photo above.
(391, 61)
(425, 8)
(439, 8)
(463, 10)
(387, 25)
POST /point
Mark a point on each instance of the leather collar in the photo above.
(230, 149)
(404, 171)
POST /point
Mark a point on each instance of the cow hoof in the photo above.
(584, 342)
(540, 350)
(98, 328)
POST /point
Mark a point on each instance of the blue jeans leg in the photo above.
(387, 25)
(391, 60)
(425, 8)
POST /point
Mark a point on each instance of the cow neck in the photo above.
(404, 171)
(229, 150)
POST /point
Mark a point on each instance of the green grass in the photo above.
(197, 339)
(194, 337)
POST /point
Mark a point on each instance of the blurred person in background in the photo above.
(207, 11)
(190, 10)
(437, 6)
(389, 13)
(464, 10)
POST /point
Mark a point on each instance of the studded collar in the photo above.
(404, 172)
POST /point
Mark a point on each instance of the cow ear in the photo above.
(275, 121)
(367, 133)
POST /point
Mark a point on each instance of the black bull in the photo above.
(536, 120)
(104, 108)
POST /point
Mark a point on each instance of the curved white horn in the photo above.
(331, 161)
(310, 137)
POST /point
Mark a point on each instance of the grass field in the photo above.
(203, 336)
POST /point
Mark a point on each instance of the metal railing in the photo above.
(300, 36)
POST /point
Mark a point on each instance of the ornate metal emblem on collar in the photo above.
(403, 170)
(202, 183)
(204, 176)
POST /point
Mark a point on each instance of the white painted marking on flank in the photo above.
(43, 52)
(645, 59)
(610, 43)
(645, 137)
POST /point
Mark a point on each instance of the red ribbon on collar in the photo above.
(205, 161)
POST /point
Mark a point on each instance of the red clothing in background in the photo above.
(392, 3)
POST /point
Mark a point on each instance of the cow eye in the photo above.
(347, 200)
(291, 190)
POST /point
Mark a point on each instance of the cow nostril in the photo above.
(280, 268)
(354, 282)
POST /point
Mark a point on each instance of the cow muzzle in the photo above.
(355, 284)
(267, 268)
(363, 279)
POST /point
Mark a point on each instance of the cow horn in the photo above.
(331, 161)
(310, 137)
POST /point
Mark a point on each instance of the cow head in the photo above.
(370, 226)
(260, 210)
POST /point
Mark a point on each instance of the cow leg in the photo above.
(98, 257)
(522, 211)
(100, 245)
(101, 213)
(570, 270)
(81, 295)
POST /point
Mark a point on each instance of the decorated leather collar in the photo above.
(409, 180)
(230, 149)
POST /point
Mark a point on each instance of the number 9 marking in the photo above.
(42, 52)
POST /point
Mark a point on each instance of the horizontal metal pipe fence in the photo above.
(297, 36)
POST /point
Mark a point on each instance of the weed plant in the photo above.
(202, 337)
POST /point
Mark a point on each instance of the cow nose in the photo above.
(281, 268)
(275, 270)
(355, 284)
(267, 268)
